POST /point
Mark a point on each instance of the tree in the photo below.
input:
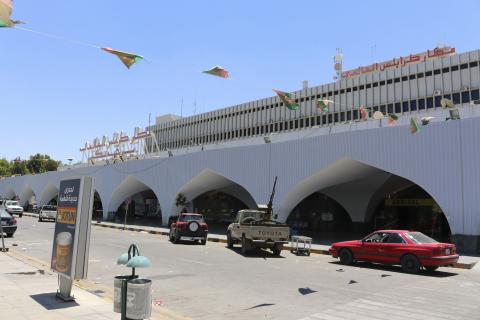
(181, 201)
(51, 165)
(5, 168)
(19, 167)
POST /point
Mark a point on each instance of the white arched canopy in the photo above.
(48, 193)
(127, 188)
(27, 196)
(209, 180)
(9, 193)
(342, 171)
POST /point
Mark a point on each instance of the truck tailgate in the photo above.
(271, 233)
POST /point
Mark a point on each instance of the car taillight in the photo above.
(14, 221)
(204, 226)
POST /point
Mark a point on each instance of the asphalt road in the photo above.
(213, 282)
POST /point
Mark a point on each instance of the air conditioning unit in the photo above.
(437, 92)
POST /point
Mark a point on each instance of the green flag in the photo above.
(414, 127)
(287, 99)
(323, 104)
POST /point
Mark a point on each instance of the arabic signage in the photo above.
(72, 228)
(401, 62)
(409, 202)
(65, 227)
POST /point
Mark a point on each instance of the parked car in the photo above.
(9, 223)
(410, 249)
(47, 212)
(172, 219)
(13, 207)
(189, 226)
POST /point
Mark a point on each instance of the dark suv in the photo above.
(9, 223)
(189, 226)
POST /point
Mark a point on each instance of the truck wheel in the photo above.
(203, 241)
(410, 264)
(20, 215)
(276, 250)
(244, 245)
(229, 240)
(39, 219)
(9, 235)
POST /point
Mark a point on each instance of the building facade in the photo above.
(361, 175)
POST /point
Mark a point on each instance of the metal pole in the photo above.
(124, 299)
(126, 212)
(3, 240)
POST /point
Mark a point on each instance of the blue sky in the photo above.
(56, 95)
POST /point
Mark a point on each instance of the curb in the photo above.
(458, 265)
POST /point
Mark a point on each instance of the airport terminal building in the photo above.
(339, 175)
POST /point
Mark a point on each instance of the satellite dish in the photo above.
(446, 103)
(377, 115)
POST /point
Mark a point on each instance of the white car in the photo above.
(47, 212)
(13, 207)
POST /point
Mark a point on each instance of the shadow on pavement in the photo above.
(256, 253)
(398, 269)
(50, 301)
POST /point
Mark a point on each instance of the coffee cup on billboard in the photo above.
(64, 243)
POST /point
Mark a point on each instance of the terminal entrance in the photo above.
(412, 209)
(218, 208)
(97, 211)
(321, 218)
(143, 209)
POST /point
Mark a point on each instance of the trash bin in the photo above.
(139, 298)
(117, 292)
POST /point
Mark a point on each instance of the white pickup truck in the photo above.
(13, 207)
(253, 230)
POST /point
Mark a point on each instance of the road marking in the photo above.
(193, 261)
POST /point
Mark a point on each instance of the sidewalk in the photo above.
(29, 293)
(28, 288)
(464, 262)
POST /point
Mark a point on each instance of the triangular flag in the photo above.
(218, 71)
(323, 104)
(426, 120)
(128, 59)
(392, 118)
(363, 113)
(6, 9)
(287, 100)
(414, 128)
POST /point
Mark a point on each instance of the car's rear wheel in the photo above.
(346, 257)
(9, 235)
(431, 268)
(203, 241)
(20, 215)
(229, 240)
(40, 219)
(410, 264)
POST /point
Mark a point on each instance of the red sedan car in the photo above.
(410, 249)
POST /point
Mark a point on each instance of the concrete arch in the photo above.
(351, 183)
(130, 186)
(209, 180)
(9, 193)
(26, 196)
(49, 192)
(341, 171)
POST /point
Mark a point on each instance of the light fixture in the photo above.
(454, 114)
(267, 139)
(170, 154)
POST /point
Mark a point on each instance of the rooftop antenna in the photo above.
(195, 106)
(181, 108)
(337, 64)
